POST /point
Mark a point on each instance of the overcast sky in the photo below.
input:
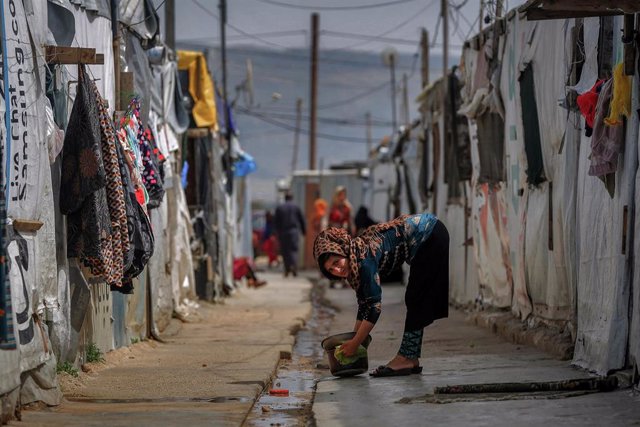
(371, 25)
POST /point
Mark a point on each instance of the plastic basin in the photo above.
(360, 366)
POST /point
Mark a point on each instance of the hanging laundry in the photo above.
(151, 173)
(131, 162)
(607, 142)
(621, 102)
(114, 189)
(83, 195)
(128, 134)
(148, 163)
(587, 104)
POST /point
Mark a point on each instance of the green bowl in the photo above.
(360, 366)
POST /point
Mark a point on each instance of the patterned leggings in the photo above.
(411, 346)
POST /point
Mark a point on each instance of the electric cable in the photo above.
(335, 8)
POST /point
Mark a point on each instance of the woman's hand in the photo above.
(349, 348)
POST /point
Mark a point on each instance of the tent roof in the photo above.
(561, 9)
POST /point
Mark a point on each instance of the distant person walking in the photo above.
(341, 210)
(289, 223)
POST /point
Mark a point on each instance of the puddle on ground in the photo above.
(298, 374)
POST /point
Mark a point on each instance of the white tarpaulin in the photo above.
(491, 245)
(94, 31)
(463, 274)
(32, 256)
(546, 262)
(9, 358)
(634, 333)
(515, 161)
(603, 269)
(488, 220)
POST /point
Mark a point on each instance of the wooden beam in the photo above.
(562, 9)
(127, 91)
(197, 132)
(544, 14)
(72, 55)
(27, 225)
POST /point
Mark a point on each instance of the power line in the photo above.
(298, 57)
(335, 8)
(243, 36)
(394, 28)
(341, 34)
(277, 123)
(251, 36)
(327, 120)
(353, 98)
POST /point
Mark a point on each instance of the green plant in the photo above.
(135, 340)
(94, 354)
(67, 368)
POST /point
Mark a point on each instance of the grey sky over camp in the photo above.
(370, 25)
(275, 36)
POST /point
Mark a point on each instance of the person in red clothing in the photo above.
(269, 240)
(243, 267)
(340, 212)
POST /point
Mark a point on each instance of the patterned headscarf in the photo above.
(334, 240)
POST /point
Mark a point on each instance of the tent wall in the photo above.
(549, 246)
(605, 273)
(56, 314)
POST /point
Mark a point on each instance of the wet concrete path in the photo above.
(209, 373)
(297, 374)
(456, 352)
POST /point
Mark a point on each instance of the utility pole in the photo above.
(115, 46)
(444, 13)
(170, 23)
(480, 21)
(424, 48)
(392, 65)
(367, 117)
(296, 135)
(227, 119)
(315, 22)
(405, 100)
(498, 8)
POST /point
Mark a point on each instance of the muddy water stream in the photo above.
(297, 374)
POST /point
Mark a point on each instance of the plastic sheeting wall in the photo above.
(558, 245)
(604, 268)
(634, 333)
(463, 274)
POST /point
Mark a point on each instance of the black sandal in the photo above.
(385, 371)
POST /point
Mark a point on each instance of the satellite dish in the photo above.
(389, 56)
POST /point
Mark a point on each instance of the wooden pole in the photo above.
(367, 117)
(481, 19)
(225, 106)
(405, 100)
(315, 22)
(444, 11)
(424, 48)
(170, 23)
(296, 135)
(116, 52)
(392, 66)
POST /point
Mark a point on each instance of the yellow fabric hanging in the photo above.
(201, 88)
(621, 101)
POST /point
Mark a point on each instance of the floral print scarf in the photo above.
(338, 241)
